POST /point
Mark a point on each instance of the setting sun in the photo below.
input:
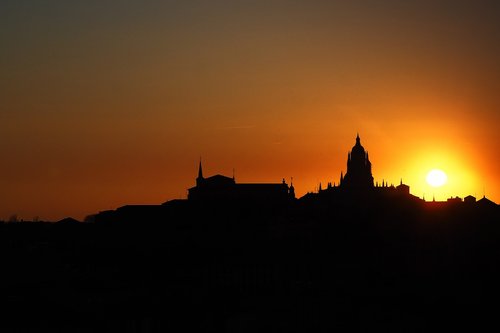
(436, 178)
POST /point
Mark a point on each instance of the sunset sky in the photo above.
(107, 103)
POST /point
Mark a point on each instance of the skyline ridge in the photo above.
(357, 179)
(363, 167)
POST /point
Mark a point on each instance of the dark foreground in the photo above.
(208, 269)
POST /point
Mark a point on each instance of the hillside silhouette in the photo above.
(354, 256)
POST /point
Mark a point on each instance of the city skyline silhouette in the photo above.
(357, 178)
(353, 256)
(249, 166)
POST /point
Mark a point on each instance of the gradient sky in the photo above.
(107, 103)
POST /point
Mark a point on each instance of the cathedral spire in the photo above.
(200, 171)
(200, 178)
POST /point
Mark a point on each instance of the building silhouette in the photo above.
(223, 188)
(232, 257)
(359, 169)
(355, 187)
(358, 183)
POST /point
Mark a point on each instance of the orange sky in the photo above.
(104, 103)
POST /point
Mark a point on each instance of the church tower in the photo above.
(359, 169)
(200, 178)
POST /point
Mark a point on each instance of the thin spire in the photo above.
(200, 170)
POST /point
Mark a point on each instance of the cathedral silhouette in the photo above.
(357, 185)
(359, 168)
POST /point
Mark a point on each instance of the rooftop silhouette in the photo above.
(356, 185)
(219, 187)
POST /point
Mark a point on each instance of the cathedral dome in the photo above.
(359, 173)
(357, 150)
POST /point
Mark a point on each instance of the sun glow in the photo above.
(459, 169)
(436, 178)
